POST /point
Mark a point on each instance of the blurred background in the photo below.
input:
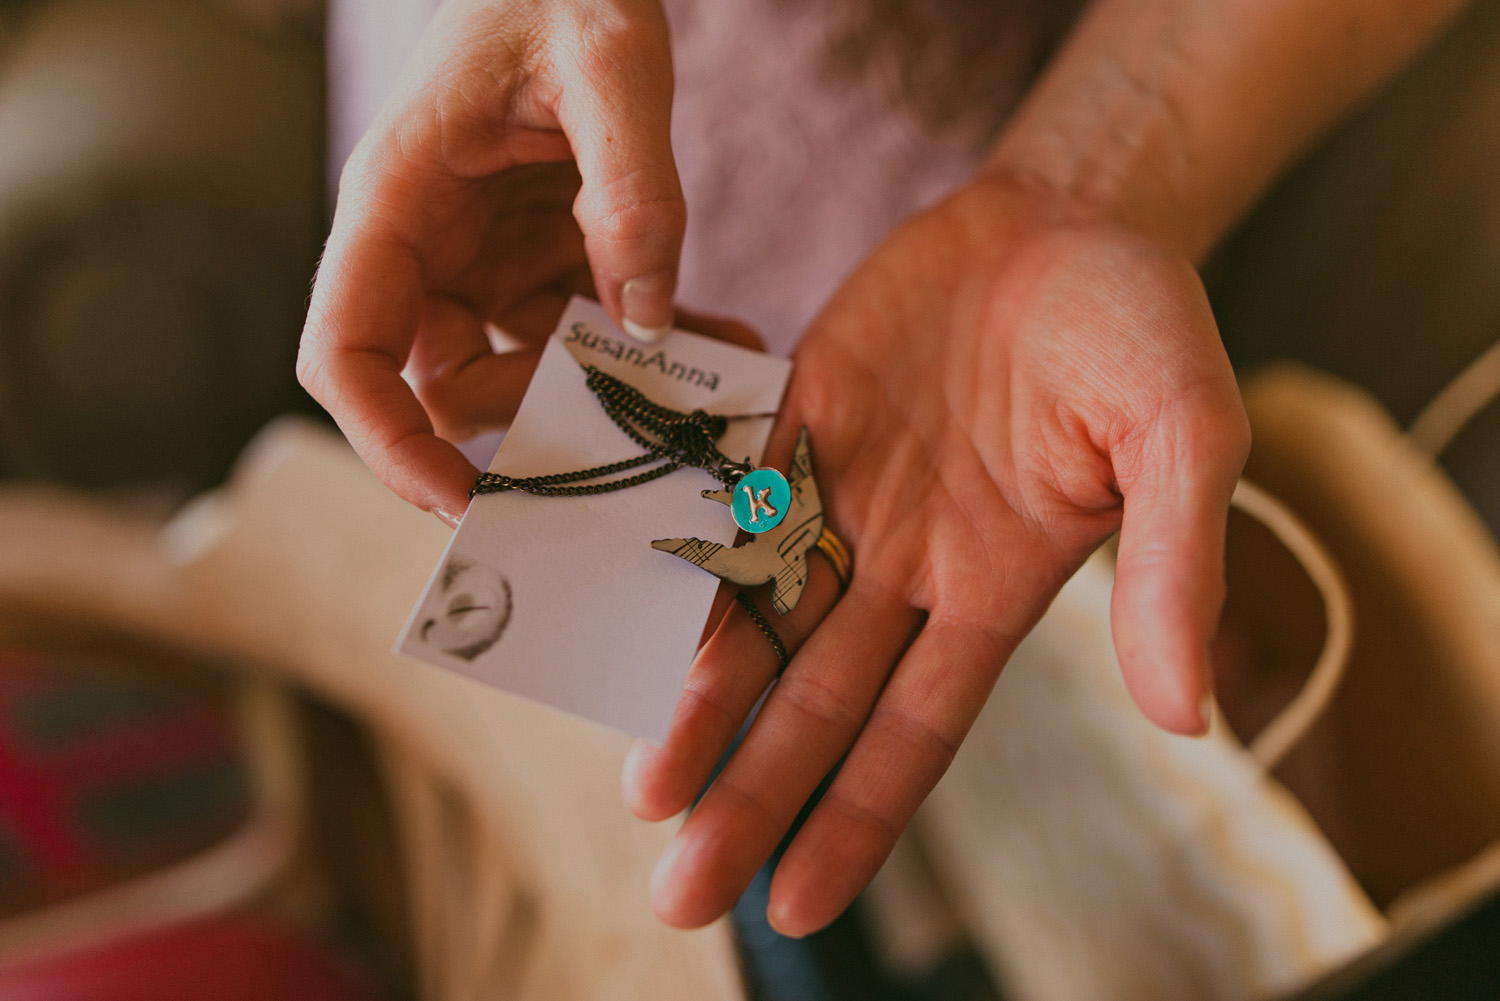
(180, 820)
(162, 172)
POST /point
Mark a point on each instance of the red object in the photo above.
(237, 958)
(72, 738)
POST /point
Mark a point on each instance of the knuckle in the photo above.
(1222, 431)
(632, 216)
(1237, 436)
(865, 815)
(757, 805)
(922, 740)
(367, 162)
(706, 697)
(310, 368)
(815, 697)
(610, 46)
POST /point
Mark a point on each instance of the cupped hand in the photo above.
(524, 157)
(996, 391)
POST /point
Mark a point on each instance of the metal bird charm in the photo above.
(778, 556)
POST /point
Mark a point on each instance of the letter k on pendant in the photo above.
(759, 500)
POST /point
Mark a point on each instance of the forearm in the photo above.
(1170, 116)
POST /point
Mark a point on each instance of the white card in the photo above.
(562, 599)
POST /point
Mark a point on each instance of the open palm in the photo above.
(993, 394)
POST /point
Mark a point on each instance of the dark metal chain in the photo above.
(671, 437)
(759, 618)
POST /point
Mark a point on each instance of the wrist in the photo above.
(1021, 200)
(1171, 116)
(1120, 159)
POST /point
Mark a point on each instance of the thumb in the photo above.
(1169, 579)
(618, 118)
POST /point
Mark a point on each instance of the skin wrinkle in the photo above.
(974, 521)
(908, 727)
(1084, 485)
(607, 52)
(543, 227)
(699, 695)
(394, 449)
(359, 357)
(966, 438)
(967, 510)
(344, 359)
(1148, 431)
(897, 487)
(808, 692)
(385, 208)
(775, 826)
(485, 95)
(1172, 120)
(887, 829)
(633, 221)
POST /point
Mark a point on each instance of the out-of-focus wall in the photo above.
(161, 210)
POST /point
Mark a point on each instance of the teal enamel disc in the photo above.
(761, 499)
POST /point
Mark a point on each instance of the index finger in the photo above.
(361, 324)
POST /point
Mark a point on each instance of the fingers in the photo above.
(464, 385)
(421, 197)
(630, 207)
(809, 720)
(353, 349)
(728, 676)
(1169, 579)
(923, 714)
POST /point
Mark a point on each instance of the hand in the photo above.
(990, 396)
(525, 156)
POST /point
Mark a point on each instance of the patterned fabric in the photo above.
(104, 776)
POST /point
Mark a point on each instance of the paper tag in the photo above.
(562, 599)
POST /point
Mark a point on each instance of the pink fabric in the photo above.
(805, 130)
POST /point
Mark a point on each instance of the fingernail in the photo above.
(646, 303)
(1205, 713)
(770, 920)
(662, 878)
(446, 517)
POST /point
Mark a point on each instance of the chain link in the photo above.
(759, 618)
(670, 437)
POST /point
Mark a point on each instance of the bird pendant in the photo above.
(778, 556)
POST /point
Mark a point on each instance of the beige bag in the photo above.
(1092, 856)
(524, 875)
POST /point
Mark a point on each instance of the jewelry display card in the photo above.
(562, 600)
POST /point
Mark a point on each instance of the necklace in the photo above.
(670, 436)
(760, 498)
